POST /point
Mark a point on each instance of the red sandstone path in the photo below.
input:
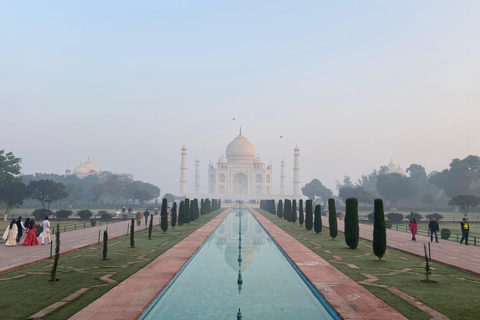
(451, 253)
(19, 256)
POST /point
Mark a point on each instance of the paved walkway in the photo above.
(462, 257)
(20, 255)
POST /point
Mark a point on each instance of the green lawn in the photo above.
(83, 269)
(456, 294)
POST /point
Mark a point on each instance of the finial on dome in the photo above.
(240, 129)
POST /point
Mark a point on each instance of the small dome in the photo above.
(68, 170)
(392, 167)
(258, 160)
(80, 170)
(401, 171)
(91, 168)
(222, 160)
(240, 150)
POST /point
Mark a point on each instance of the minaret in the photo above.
(183, 173)
(282, 177)
(197, 176)
(297, 191)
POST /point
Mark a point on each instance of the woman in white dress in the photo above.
(10, 234)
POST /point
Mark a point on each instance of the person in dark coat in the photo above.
(434, 228)
(20, 228)
(146, 214)
(465, 229)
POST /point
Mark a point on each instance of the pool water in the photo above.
(216, 283)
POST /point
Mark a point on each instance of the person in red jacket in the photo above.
(412, 226)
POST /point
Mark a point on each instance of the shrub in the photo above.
(293, 212)
(435, 215)
(395, 217)
(370, 216)
(301, 217)
(317, 223)
(413, 215)
(339, 214)
(104, 215)
(40, 214)
(63, 214)
(280, 209)
(332, 218)
(379, 231)
(445, 234)
(93, 223)
(308, 215)
(85, 214)
(388, 224)
(164, 215)
(351, 223)
(155, 211)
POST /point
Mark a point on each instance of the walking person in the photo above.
(138, 218)
(27, 223)
(10, 234)
(31, 237)
(434, 228)
(20, 228)
(146, 214)
(412, 226)
(465, 229)
(45, 230)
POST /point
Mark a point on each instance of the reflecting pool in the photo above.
(238, 267)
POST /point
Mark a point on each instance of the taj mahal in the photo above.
(240, 174)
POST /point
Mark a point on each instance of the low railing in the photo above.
(83, 225)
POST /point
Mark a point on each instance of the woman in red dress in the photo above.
(31, 238)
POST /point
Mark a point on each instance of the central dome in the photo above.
(240, 150)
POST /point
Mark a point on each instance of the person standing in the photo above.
(129, 211)
(27, 223)
(10, 234)
(412, 226)
(138, 218)
(31, 237)
(45, 230)
(465, 229)
(20, 228)
(434, 228)
(146, 214)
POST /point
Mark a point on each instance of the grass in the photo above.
(456, 294)
(83, 269)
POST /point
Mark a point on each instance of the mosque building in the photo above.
(84, 169)
(393, 168)
(240, 174)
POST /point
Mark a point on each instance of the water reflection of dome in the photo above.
(231, 255)
(221, 243)
(236, 225)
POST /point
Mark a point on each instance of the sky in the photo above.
(353, 83)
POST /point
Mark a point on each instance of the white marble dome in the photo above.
(258, 160)
(240, 150)
(222, 159)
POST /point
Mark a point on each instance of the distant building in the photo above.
(393, 168)
(84, 169)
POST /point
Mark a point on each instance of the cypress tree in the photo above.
(208, 204)
(181, 213)
(150, 227)
(379, 231)
(280, 209)
(272, 207)
(308, 214)
(197, 209)
(351, 222)
(214, 204)
(164, 216)
(301, 218)
(293, 214)
(132, 232)
(105, 244)
(174, 215)
(202, 207)
(186, 208)
(317, 224)
(332, 218)
(286, 210)
(53, 273)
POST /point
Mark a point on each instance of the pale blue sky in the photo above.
(353, 83)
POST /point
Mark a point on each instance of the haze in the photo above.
(352, 83)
